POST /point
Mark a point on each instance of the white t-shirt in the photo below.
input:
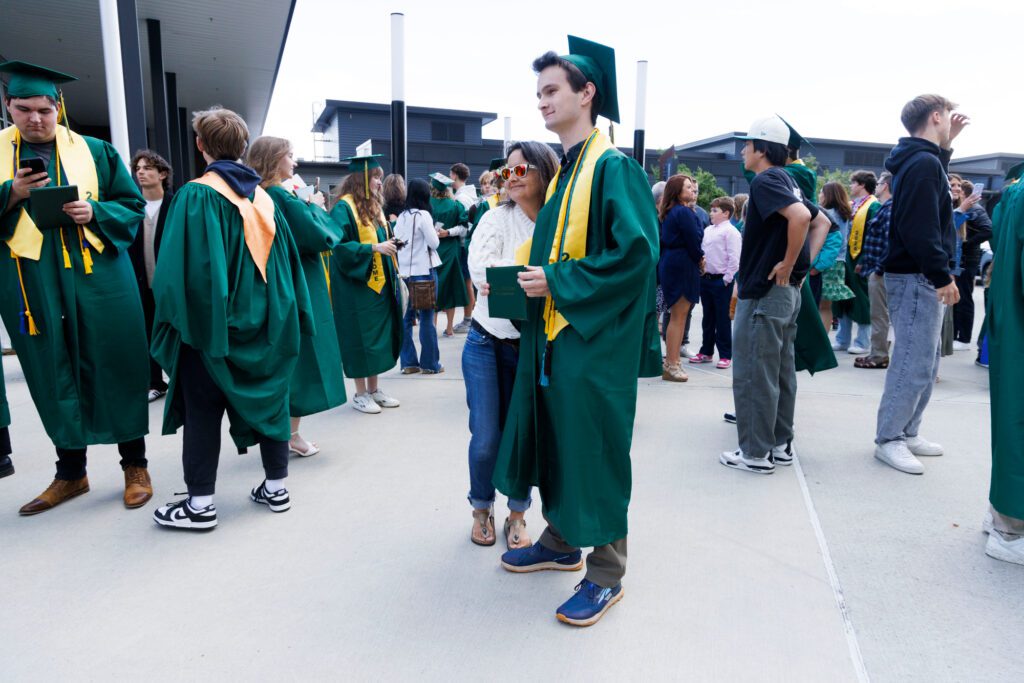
(495, 240)
(153, 207)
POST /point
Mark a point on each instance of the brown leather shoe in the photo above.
(138, 489)
(55, 494)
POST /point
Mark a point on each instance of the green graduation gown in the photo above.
(859, 307)
(1005, 339)
(812, 347)
(87, 370)
(572, 438)
(369, 325)
(451, 288)
(210, 295)
(318, 382)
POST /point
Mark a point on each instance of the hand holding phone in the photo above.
(31, 174)
(978, 189)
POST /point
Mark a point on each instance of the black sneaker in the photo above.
(182, 515)
(730, 418)
(6, 466)
(277, 502)
(783, 454)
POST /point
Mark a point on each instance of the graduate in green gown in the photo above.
(865, 207)
(231, 303)
(68, 300)
(367, 306)
(590, 332)
(318, 382)
(1005, 318)
(451, 288)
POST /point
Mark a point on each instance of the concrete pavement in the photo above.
(371, 575)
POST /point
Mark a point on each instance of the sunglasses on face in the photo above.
(519, 171)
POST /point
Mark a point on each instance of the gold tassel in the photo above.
(325, 259)
(366, 179)
(64, 248)
(30, 322)
(64, 113)
(86, 254)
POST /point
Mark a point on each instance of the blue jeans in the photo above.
(845, 331)
(489, 368)
(430, 357)
(916, 315)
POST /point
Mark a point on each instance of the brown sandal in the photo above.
(515, 534)
(483, 528)
(869, 363)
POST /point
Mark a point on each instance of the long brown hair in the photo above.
(673, 189)
(369, 209)
(264, 156)
(834, 195)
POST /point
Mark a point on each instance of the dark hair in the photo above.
(540, 155)
(775, 152)
(157, 162)
(670, 198)
(417, 195)
(726, 204)
(460, 171)
(865, 178)
(916, 112)
(834, 195)
(577, 81)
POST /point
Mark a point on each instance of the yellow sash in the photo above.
(493, 200)
(857, 230)
(75, 166)
(570, 242)
(257, 218)
(368, 235)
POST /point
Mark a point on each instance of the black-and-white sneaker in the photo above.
(182, 515)
(783, 454)
(277, 502)
(739, 460)
(730, 418)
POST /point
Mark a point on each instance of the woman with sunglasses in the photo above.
(491, 353)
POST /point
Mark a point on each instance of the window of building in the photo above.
(443, 131)
(861, 157)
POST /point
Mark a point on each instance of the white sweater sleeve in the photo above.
(425, 225)
(485, 249)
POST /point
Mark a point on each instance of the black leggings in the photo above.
(963, 311)
(205, 405)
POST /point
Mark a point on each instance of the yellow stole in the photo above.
(257, 218)
(570, 242)
(493, 200)
(860, 219)
(368, 235)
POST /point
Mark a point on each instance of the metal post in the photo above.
(399, 141)
(641, 111)
(185, 137)
(131, 56)
(161, 131)
(508, 136)
(114, 72)
(171, 83)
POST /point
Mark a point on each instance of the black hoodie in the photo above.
(922, 238)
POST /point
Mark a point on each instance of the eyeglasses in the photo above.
(519, 171)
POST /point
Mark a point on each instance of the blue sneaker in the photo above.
(588, 604)
(536, 557)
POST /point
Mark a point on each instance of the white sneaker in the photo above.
(738, 460)
(836, 346)
(783, 454)
(1001, 549)
(857, 350)
(364, 404)
(685, 352)
(919, 446)
(961, 346)
(383, 400)
(895, 454)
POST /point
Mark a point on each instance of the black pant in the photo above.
(205, 405)
(5, 441)
(71, 461)
(717, 328)
(815, 282)
(156, 375)
(963, 311)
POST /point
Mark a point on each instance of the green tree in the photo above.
(837, 175)
(707, 184)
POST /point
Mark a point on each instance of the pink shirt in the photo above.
(721, 247)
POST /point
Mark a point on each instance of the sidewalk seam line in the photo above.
(833, 578)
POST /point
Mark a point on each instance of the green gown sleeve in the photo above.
(9, 219)
(120, 210)
(593, 291)
(351, 257)
(311, 227)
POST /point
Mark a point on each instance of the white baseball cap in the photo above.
(770, 129)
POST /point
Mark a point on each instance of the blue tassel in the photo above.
(24, 323)
(544, 367)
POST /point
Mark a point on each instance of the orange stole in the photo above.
(257, 218)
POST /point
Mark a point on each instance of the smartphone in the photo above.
(36, 165)
(978, 189)
(317, 185)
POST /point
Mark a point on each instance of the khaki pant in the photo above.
(606, 564)
(879, 317)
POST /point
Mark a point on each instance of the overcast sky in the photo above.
(834, 69)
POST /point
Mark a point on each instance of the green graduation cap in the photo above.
(364, 165)
(440, 181)
(496, 164)
(29, 80)
(796, 141)
(597, 62)
(1015, 173)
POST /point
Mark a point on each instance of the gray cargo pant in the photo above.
(764, 369)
